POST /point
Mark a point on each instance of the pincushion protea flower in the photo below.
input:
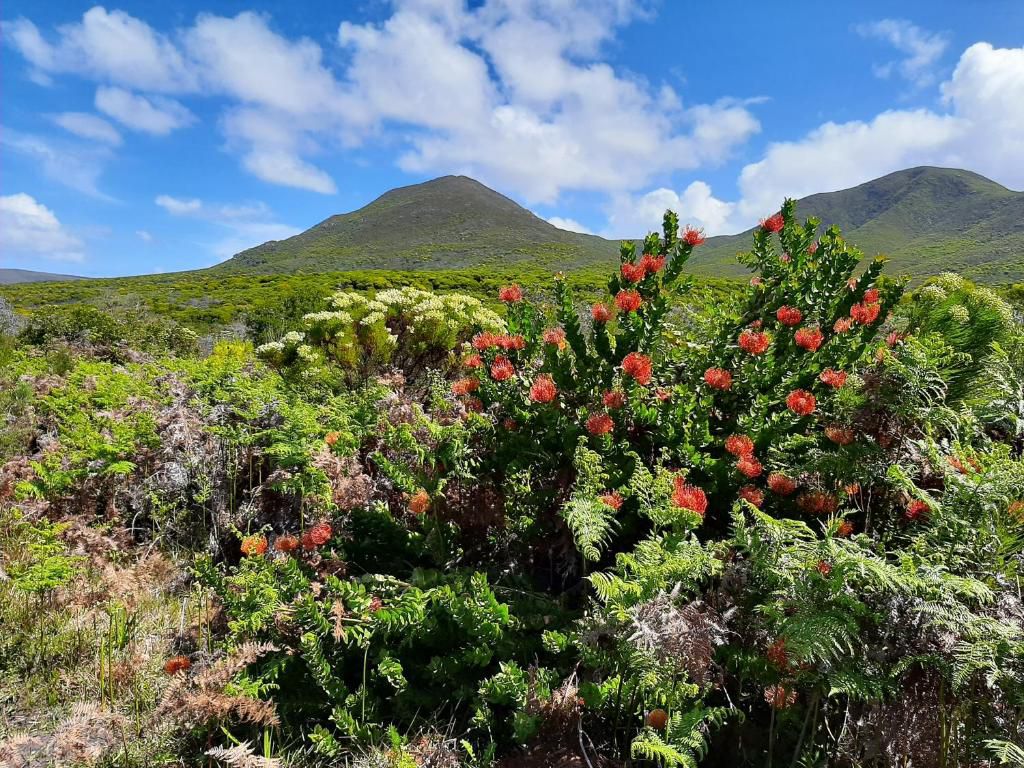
(511, 294)
(286, 543)
(177, 664)
(600, 424)
(628, 301)
(473, 361)
(485, 340)
(789, 315)
(612, 499)
(739, 445)
(749, 466)
(916, 510)
(812, 249)
(871, 296)
(817, 502)
(809, 339)
(845, 529)
(752, 494)
(779, 697)
(865, 314)
(420, 502)
(555, 337)
(840, 435)
(502, 369)
(801, 402)
(652, 264)
(638, 367)
(824, 568)
(753, 342)
(600, 313)
(693, 236)
(633, 273)
(664, 394)
(777, 653)
(773, 223)
(718, 378)
(543, 389)
(843, 324)
(781, 484)
(320, 534)
(331, 438)
(833, 378)
(687, 496)
(614, 399)
(465, 386)
(254, 546)
(508, 342)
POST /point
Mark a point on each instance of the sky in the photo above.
(141, 137)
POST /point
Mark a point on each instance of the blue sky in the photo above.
(142, 137)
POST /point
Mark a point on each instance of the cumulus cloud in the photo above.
(242, 225)
(156, 115)
(29, 228)
(72, 164)
(634, 216)
(570, 225)
(178, 206)
(88, 126)
(921, 49)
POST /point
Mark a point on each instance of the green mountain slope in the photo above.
(448, 223)
(926, 220)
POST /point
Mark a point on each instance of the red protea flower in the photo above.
(749, 466)
(809, 338)
(376, 604)
(852, 488)
(756, 325)
(638, 367)
(777, 653)
(473, 404)
(465, 386)
(485, 340)
(801, 402)
(320, 534)
(502, 369)
(254, 546)
(511, 294)
(628, 300)
(600, 424)
(508, 342)
(773, 223)
(663, 394)
(871, 296)
(753, 342)
(752, 494)
(833, 378)
(824, 568)
(177, 664)
(916, 510)
(611, 499)
(840, 435)
(420, 502)
(781, 484)
(510, 424)
(817, 502)
(739, 445)
(789, 315)
(600, 313)
(843, 324)
(614, 399)
(779, 697)
(812, 248)
(473, 361)
(845, 529)
(686, 496)
(543, 389)
(865, 314)
(332, 438)
(633, 273)
(693, 237)
(555, 337)
(652, 264)
(286, 543)
(718, 378)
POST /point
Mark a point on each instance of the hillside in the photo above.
(11, 276)
(927, 220)
(447, 223)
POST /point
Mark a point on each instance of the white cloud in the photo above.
(569, 224)
(88, 126)
(156, 115)
(635, 216)
(922, 49)
(73, 165)
(144, 236)
(29, 228)
(178, 206)
(245, 225)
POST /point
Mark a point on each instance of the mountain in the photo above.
(9, 276)
(450, 222)
(926, 220)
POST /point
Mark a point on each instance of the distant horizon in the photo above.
(139, 139)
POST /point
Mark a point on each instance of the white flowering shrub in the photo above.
(405, 328)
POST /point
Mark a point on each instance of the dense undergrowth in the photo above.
(785, 529)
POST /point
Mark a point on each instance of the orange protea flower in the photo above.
(779, 697)
(612, 499)
(502, 369)
(320, 534)
(780, 484)
(286, 543)
(332, 438)
(652, 264)
(657, 719)
(840, 435)
(686, 496)
(749, 466)
(600, 313)
(508, 342)
(254, 546)
(824, 568)
(852, 488)
(638, 367)
(753, 342)
(865, 314)
(473, 404)
(177, 664)
(739, 445)
(633, 273)
(845, 529)
(465, 386)
(693, 237)
(809, 338)
(718, 378)
(614, 399)
(485, 340)
(801, 402)
(916, 510)
(817, 502)
(420, 502)
(773, 223)
(600, 424)
(555, 337)
(833, 378)
(628, 301)
(842, 325)
(752, 494)
(473, 361)
(871, 296)
(543, 389)
(789, 315)
(511, 294)
(777, 653)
